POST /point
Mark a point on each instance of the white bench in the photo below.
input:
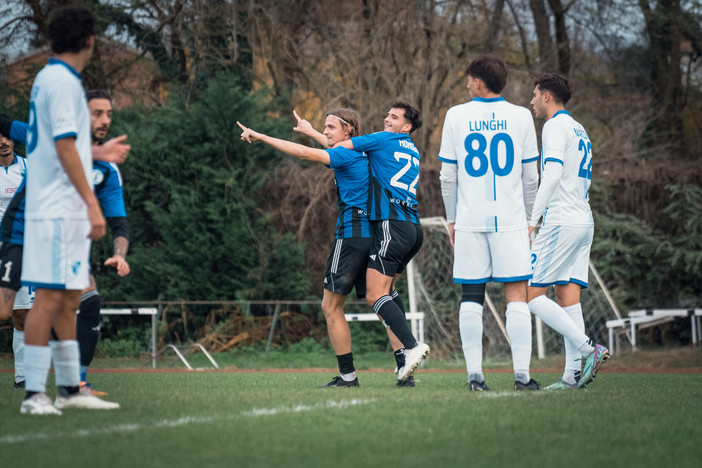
(416, 321)
(644, 318)
(152, 311)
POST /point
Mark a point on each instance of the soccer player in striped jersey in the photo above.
(107, 182)
(346, 266)
(395, 226)
(488, 182)
(560, 253)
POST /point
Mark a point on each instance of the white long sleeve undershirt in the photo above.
(550, 177)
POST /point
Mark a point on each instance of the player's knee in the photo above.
(373, 296)
(332, 312)
(473, 293)
(18, 318)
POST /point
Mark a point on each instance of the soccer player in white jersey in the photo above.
(488, 181)
(12, 170)
(561, 251)
(62, 215)
(14, 298)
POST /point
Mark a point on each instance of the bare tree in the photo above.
(662, 25)
(542, 27)
(549, 59)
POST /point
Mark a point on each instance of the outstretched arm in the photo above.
(304, 127)
(288, 147)
(113, 150)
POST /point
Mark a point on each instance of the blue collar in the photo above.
(55, 61)
(493, 99)
(564, 112)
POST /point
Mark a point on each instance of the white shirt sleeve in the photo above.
(449, 189)
(63, 98)
(550, 178)
(530, 183)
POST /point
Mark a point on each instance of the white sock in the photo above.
(555, 317)
(348, 377)
(519, 331)
(470, 325)
(66, 357)
(37, 361)
(18, 350)
(573, 363)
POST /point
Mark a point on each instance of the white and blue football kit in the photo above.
(107, 182)
(488, 177)
(11, 179)
(346, 265)
(561, 251)
(57, 224)
(392, 204)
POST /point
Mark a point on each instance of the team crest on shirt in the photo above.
(98, 176)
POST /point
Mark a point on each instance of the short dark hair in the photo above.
(411, 114)
(98, 94)
(70, 28)
(559, 86)
(491, 70)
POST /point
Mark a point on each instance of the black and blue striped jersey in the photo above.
(351, 178)
(394, 174)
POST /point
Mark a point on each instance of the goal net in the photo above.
(432, 291)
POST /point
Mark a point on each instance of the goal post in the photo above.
(433, 292)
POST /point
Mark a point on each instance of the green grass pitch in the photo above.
(282, 419)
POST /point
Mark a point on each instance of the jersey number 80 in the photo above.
(489, 158)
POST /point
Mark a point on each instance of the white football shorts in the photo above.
(24, 298)
(480, 257)
(561, 255)
(56, 253)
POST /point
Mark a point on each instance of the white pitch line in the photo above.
(167, 423)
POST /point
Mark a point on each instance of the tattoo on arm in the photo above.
(8, 294)
(121, 245)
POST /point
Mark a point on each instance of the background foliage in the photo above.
(214, 218)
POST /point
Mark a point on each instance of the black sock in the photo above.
(394, 318)
(65, 390)
(397, 300)
(88, 328)
(400, 358)
(345, 362)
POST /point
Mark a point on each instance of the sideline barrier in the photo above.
(645, 318)
(176, 349)
(152, 311)
(416, 321)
